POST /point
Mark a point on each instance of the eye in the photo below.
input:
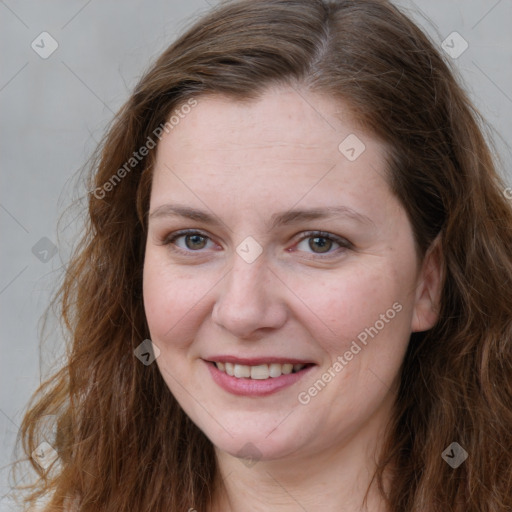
(321, 243)
(189, 241)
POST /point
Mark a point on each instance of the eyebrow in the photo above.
(278, 219)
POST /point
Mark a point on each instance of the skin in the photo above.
(243, 162)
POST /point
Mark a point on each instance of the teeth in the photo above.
(242, 371)
(275, 370)
(287, 368)
(259, 372)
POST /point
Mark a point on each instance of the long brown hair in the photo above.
(123, 441)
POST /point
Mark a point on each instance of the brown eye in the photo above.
(190, 241)
(195, 242)
(320, 244)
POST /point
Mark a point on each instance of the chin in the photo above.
(248, 441)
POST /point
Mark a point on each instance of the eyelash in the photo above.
(341, 242)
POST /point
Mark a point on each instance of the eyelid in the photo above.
(342, 242)
(181, 232)
(304, 235)
(172, 237)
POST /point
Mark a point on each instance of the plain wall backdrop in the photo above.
(55, 108)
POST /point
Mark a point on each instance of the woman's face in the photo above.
(275, 245)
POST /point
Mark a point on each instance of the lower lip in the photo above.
(254, 387)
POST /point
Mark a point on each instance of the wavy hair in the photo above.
(122, 439)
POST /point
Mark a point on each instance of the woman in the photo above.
(297, 207)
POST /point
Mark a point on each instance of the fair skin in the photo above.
(306, 297)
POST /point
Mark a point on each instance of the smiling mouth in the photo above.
(260, 371)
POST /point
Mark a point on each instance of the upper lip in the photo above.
(255, 361)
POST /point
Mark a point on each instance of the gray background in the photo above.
(55, 110)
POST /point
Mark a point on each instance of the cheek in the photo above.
(172, 301)
(342, 306)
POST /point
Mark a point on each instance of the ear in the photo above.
(429, 288)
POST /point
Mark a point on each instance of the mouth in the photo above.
(256, 377)
(260, 371)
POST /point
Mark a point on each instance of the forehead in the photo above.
(283, 145)
(280, 116)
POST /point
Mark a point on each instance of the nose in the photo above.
(248, 302)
